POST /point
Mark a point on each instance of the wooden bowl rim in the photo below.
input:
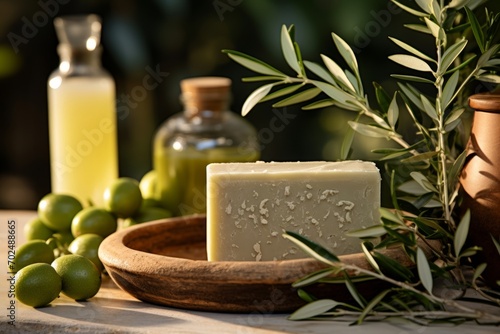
(115, 254)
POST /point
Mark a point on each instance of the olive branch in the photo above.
(424, 192)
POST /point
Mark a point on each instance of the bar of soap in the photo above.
(250, 206)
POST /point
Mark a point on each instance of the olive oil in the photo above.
(205, 132)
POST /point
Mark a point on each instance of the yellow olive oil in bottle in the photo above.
(205, 132)
(82, 118)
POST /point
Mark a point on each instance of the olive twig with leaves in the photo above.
(424, 193)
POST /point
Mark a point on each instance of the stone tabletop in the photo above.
(114, 311)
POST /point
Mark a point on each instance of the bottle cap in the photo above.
(485, 102)
(205, 94)
(79, 31)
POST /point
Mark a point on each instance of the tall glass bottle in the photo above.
(82, 117)
(205, 132)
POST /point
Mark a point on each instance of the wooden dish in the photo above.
(164, 262)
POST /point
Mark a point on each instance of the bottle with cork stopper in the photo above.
(205, 132)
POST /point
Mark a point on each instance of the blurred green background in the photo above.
(185, 39)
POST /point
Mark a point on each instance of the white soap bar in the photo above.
(250, 206)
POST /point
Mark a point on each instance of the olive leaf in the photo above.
(370, 258)
(429, 109)
(337, 73)
(358, 88)
(420, 157)
(300, 61)
(405, 239)
(253, 64)
(367, 232)
(370, 130)
(282, 92)
(314, 309)
(261, 78)
(393, 155)
(424, 271)
(476, 29)
(354, 292)
(420, 221)
(380, 121)
(255, 97)
(462, 65)
(471, 251)
(320, 72)
(426, 5)
(383, 99)
(393, 112)
(423, 181)
(289, 50)
(412, 95)
(411, 49)
(412, 62)
(436, 9)
(419, 27)
(433, 27)
(316, 251)
(489, 78)
(461, 233)
(451, 54)
(451, 124)
(392, 268)
(304, 295)
(305, 95)
(485, 57)
(410, 10)
(391, 216)
(335, 93)
(314, 277)
(478, 272)
(449, 90)
(496, 243)
(346, 53)
(457, 4)
(457, 165)
(345, 149)
(371, 305)
(319, 104)
(492, 63)
(412, 78)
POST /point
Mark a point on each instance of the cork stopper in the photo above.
(205, 96)
(485, 102)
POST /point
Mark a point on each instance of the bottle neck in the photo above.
(204, 109)
(79, 60)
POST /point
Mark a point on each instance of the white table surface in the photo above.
(115, 311)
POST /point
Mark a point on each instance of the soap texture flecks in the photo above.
(250, 205)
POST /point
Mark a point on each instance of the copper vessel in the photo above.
(480, 183)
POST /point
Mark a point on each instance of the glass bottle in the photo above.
(82, 117)
(205, 132)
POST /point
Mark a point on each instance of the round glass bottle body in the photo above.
(184, 146)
